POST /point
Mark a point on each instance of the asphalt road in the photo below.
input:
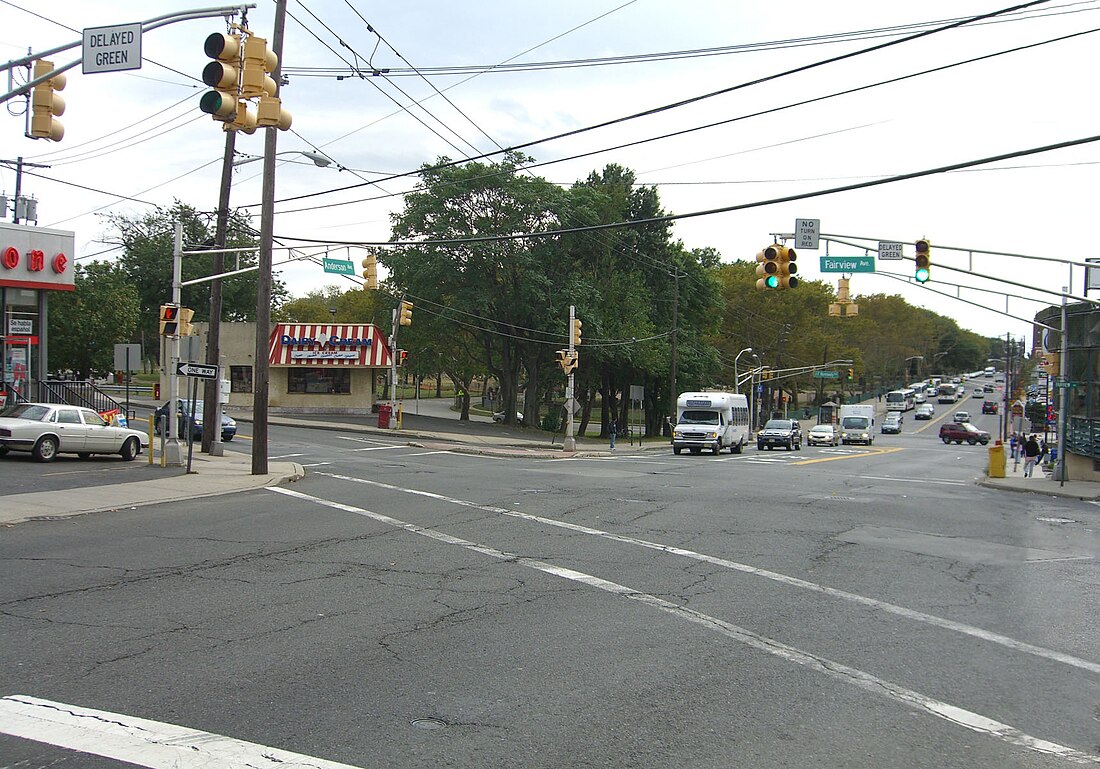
(401, 607)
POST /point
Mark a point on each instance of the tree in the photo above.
(147, 261)
(86, 323)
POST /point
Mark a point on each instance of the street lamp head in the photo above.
(318, 159)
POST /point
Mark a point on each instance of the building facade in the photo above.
(35, 262)
(329, 368)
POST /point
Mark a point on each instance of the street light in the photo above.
(318, 159)
(736, 380)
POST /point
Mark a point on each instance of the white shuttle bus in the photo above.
(712, 421)
(901, 400)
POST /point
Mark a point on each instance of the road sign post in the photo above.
(197, 370)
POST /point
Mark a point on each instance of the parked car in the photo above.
(989, 388)
(780, 432)
(823, 435)
(229, 425)
(962, 416)
(499, 417)
(963, 431)
(47, 429)
(989, 407)
(891, 423)
(926, 411)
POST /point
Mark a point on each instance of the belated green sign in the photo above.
(847, 264)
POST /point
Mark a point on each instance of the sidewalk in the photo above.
(1040, 483)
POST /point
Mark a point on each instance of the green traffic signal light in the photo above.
(771, 281)
(923, 261)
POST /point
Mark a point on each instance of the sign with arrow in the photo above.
(197, 370)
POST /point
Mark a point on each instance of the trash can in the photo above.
(385, 410)
(997, 460)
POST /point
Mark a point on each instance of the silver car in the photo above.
(823, 435)
(49, 429)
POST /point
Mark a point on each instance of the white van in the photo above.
(711, 420)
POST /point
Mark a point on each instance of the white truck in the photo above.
(857, 424)
(711, 420)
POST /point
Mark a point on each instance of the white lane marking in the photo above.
(378, 448)
(287, 456)
(830, 668)
(317, 464)
(140, 741)
(427, 453)
(364, 440)
(901, 611)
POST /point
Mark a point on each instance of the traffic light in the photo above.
(405, 313)
(224, 76)
(402, 356)
(1052, 363)
(923, 261)
(46, 105)
(256, 83)
(851, 374)
(169, 319)
(567, 360)
(184, 324)
(575, 332)
(370, 272)
(787, 267)
(767, 270)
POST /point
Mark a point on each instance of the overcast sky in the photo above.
(140, 135)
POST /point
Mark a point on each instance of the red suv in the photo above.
(989, 407)
(963, 431)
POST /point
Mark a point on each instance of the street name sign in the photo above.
(889, 250)
(822, 374)
(847, 264)
(1066, 385)
(111, 49)
(807, 233)
(197, 370)
(338, 266)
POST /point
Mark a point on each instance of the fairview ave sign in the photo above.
(847, 264)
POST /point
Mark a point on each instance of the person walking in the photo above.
(1013, 445)
(1031, 455)
(612, 428)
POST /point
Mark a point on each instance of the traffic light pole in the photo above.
(173, 452)
(212, 394)
(393, 369)
(570, 443)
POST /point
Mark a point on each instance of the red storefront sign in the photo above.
(36, 257)
(334, 344)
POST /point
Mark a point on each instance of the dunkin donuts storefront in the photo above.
(34, 263)
(314, 367)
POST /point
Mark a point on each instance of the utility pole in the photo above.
(20, 204)
(260, 361)
(212, 405)
(672, 368)
(570, 443)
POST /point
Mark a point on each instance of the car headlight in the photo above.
(712, 435)
(229, 422)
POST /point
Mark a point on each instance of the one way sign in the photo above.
(197, 370)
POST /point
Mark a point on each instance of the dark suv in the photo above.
(780, 432)
(989, 407)
(963, 431)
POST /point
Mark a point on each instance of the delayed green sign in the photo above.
(847, 264)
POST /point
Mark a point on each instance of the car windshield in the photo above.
(855, 423)
(699, 418)
(28, 411)
(822, 429)
(778, 424)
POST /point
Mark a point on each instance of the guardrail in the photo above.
(144, 391)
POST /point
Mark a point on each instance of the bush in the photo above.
(551, 421)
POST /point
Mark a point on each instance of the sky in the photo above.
(137, 140)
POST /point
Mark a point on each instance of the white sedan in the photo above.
(48, 429)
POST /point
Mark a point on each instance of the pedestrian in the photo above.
(1031, 455)
(612, 428)
(1042, 451)
(1013, 444)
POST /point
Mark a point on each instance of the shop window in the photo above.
(318, 380)
(240, 379)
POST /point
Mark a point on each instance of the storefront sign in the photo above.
(36, 257)
(324, 355)
(19, 326)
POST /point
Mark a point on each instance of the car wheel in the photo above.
(3, 451)
(130, 448)
(46, 449)
(83, 454)
(677, 449)
(790, 445)
(759, 446)
(737, 448)
(984, 442)
(971, 441)
(227, 438)
(717, 449)
(947, 440)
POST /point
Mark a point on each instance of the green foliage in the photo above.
(551, 421)
(86, 323)
(147, 263)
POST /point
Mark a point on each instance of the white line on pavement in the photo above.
(287, 456)
(911, 480)
(140, 741)
(874, 603)
(830, 668)
(378, 448)
(318, 464)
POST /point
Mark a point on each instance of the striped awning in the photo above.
(327, 344)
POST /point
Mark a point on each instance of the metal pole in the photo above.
(1063, 392)
(672, 369)
(570, 442)
(261, 362)
(212, 402)
(18, 188)
(172, 452)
